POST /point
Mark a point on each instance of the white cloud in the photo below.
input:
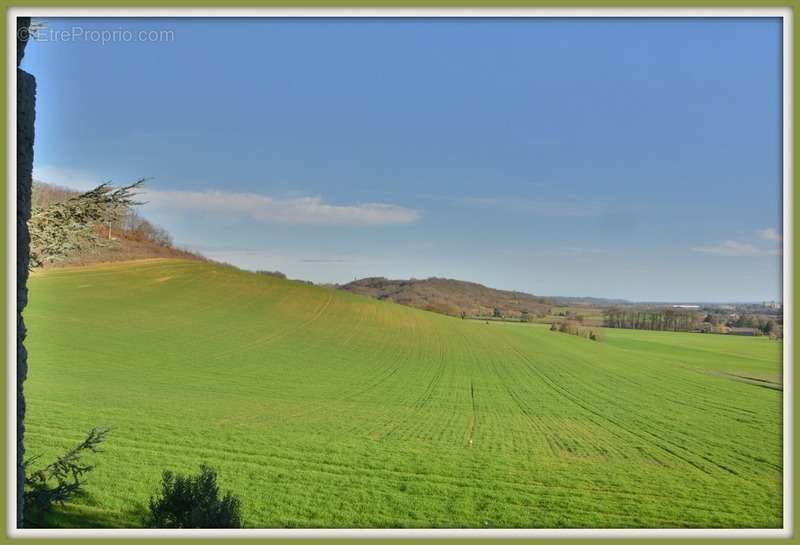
(735, 249)
(293, 210)
(542, 208)
(769, 233)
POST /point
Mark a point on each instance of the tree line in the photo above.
(761, 325)
(664, 319)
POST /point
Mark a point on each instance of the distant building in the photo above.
(746, 331)
(686, 306)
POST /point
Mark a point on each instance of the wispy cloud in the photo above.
(326, 260)
(575, 251)
(736, 248)
(260, 258)
(769, 233)
(293, 210)
(538, 207)
(308, 265)
(70, 178)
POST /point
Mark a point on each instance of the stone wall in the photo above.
(26, 114)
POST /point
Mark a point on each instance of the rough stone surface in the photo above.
(23, 24)
(26, 114)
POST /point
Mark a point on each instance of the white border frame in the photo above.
(788, 273)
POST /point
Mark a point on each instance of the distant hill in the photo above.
(451, 297)
(587, 301)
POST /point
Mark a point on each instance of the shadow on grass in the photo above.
(81, 516)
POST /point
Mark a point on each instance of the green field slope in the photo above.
(322, 408)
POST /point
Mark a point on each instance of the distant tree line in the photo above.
(132, 226)
(571, 315)
(665, 319)
(276, 274)
(764, 325)
(761, 325)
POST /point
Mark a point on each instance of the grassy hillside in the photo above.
(326, 409)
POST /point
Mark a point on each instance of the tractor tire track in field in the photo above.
(275, 336)
(564, 395)
(418, 404)
(381, 375)
(666, 398)
(326, 467)
(473, 421)
(354, 330)
(535, 424)
(302, 458)
(654, 440)
(232, 299)
(427, 394)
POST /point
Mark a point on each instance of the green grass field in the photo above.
(325, 409)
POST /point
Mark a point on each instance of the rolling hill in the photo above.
(448, 296)
(322, 408)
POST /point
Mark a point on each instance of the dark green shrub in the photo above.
(193, 501)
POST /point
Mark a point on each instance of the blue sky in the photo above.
(616, 158)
